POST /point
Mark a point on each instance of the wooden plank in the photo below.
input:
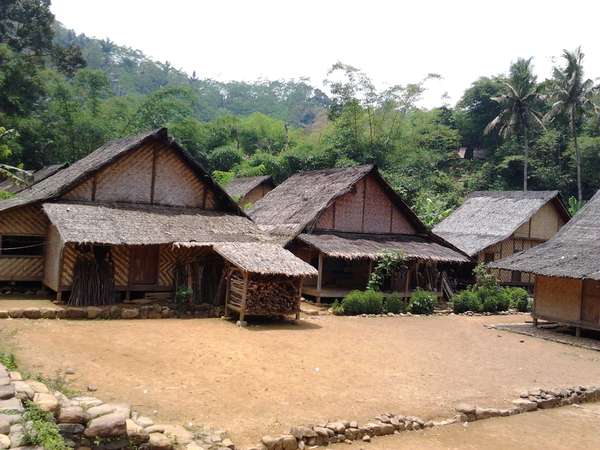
(153, 179)
(364, 205)
(244, 296)
(320, 277)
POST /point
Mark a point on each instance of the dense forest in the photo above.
(63, 94)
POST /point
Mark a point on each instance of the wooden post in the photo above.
(320, 278)
(300, 283)
(407, 282)
(227, 283)
(244, 295)
(577, 331)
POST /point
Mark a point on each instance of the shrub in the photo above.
(466, 300)
(362, 302)
(42, 430)
(518, 298)
(493, 299)
(337, 309)
(394, 304)
(422, 302)
(8, 360)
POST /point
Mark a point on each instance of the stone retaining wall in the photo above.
(87, 423)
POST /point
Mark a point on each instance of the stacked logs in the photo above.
(270, 295)
(93, 278)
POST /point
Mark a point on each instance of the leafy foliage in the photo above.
(41, 429)
(387, 263)
(8, 360)
(393, 303)
(362, 302)
(422, 302)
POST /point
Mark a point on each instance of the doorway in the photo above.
(143, 265)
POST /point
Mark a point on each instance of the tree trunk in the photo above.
(577, 156)
(525, 160)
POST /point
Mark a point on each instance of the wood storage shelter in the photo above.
(491, 225)
(248, 190)
(567, 271)
(108, 221)
(342, 220)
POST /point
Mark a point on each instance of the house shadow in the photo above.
(259, 323)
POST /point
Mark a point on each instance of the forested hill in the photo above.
(132, 72)
(63, 94)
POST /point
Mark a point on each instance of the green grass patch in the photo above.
(8, 360)
(42, 429)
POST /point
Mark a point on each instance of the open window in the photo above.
(15, 245)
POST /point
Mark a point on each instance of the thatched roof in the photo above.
(130, 224)
(239, 187)
(37, 175)
(59, 183)
(370, 246)
(487, 217)
(573, 252)
(264, 258)
(296, 204)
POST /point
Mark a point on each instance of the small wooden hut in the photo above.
(567, 271)
(103, 229)
(342, 220)
(490, 226)
(249, 190)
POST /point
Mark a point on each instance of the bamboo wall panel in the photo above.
(325, 221)
(120, 257)
(349, 210)
(255, 194)
(590, 308)
(14, 268)
(82, 192)
(378, 208)
(546, 222)
(52, 258)
(69, 256)
(28, 220)
(400, 224)
(128, 179)
(558, 298)
(167, 265)
(177, 185)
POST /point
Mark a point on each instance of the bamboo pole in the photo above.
(320, 278)
(244, 296)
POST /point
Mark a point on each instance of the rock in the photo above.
(109, 425)
(15, 376)
(23, 390)
(93, 312)
(156, 428)
(303, 432)
(130, 313)
(272, 443)
(38, 387)
(465, 408)
(12, 419)
(524, 405)
(144, 421)
(48, 313)
(4, 425)
(485, 413)
(135, 433)
(100, 410)
(194, 446)
(3, 314)
(13, 404)
(178, 434)
(87, 402)
(32, 313)
(7, 391)
(366, 438)
(227, 443)
(72, 414)
(4, 441)
(46, 402)
(15, 313)
(75, 313)
(92, 388)
(158, 441)
(338, 427)
(70, 371)
(71, 428)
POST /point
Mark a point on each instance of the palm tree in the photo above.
(518, 108)
(572, 97)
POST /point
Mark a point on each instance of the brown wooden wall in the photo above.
(52, 258)
(558, 298)
(27, 220)
(255, 194)
(367, 209)
(543, 225)
(153, 174)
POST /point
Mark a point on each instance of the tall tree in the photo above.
(572, 95)
(518, 111)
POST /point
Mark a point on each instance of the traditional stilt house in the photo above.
(341, 221)
(567, 271)
(490, 226)
(248, 190)
(136, 216)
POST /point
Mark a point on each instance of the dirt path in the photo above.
(268, 377)
(573, 428)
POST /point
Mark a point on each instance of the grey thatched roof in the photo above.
(38, 175)
(293, 206)
(574, 252)
(369, 246)
(129, 224)
(239, 187)
(63, 180)
(489, 217)
(264, 258)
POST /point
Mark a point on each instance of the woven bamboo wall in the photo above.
(177, 185)
(25, 268)
(81, 192)
(129, 179)
(558, 298)
(507, 248)
(544, 224)
(28, 220)
(69, 256)
(255, 194)
(367, 209)
(120, 257)
(52, 258)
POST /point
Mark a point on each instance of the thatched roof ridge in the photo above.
(135, 224)
(241, 186)
(489, 217)
(368, 246)
(572, 252)
(60, 182)
(264, 258)
(296, 204)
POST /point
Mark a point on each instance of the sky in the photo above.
(394, 42)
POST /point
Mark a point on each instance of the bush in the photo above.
(466, 300)
(394, 304)
(337, 309)
(8, 360)
(422, 302)
(518, 298)
(43, 430)
(493, 299)
(362, 302)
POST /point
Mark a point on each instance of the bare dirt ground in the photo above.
(573, 428)
(268, 377)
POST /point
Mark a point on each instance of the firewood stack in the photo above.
(272, 296)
